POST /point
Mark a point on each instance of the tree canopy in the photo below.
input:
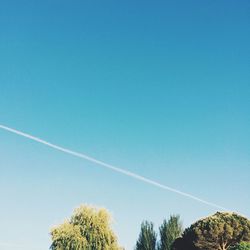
(147, 237)
(87, 229)
(217, 232)
(169, 231)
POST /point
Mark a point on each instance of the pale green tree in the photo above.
(88, 228)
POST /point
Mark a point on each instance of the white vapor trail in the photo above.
(111, 167)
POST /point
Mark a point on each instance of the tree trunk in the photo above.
(224, 246)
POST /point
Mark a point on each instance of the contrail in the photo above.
(111, 167)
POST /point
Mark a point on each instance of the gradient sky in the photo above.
(160, 88)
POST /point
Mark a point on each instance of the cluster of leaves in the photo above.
(88, 229)
(169, 231)
(241, 246)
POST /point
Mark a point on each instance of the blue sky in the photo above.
(160, 88)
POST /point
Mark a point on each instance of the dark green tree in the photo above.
(169, 231)
(241, 246)
(147, 237)
(217, 232)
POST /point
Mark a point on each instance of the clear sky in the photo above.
(160, 88)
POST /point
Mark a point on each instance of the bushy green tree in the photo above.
(217, 232)
(87, 229)
(147, 237)
(241, 246)
(170, 230)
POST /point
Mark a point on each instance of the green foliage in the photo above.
(169, 231)
(67, 236)
(87, 229)
(241, 246)
(147, 237)
(220, 231)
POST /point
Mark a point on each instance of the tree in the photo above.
(169, 231)
(217, 232)
(241, 246)
(87, 229)
(147, 237)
